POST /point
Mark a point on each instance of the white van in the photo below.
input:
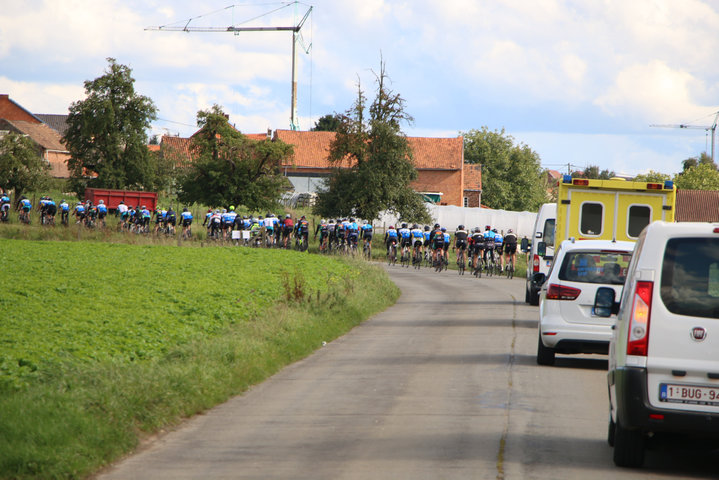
(541, 250)
(664, 352)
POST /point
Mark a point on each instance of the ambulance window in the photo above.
(548, 232)
(590, 220)
(639, 217)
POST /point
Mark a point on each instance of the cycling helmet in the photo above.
(494, 230)
(232, 207)
(364, 222)
(323, 221)
(487, 227)
(461, 227)
(415, 226)
(184, 209)
(100, 202)
(288, 216)
(404, 225)
(510, 231)
(426, 228)
(391, 227)
(143, 207)
(63, 201)
(436, 225)
(444, 229)
(477, 229)
(303, 218)
(352, 220)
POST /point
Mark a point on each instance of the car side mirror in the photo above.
(538, 279)
(542, 249)
(604, 304)
(525, 245)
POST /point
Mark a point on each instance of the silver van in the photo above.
(664, 352)
(541, 251)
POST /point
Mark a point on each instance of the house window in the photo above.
(466, 201)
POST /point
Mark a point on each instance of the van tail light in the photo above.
(562, 292)
(639, 320)
(535, 264)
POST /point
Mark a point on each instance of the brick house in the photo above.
(15, 118)
(443, 177)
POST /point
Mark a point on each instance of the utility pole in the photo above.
(294, 124)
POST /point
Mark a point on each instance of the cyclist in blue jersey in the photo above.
(101, 212)
(417, 238)
(498, 247)
(352, 233)
(488, 242)
(186, 222)
(391, 237)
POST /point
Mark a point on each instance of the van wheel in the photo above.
(610, 431)
(628, 447)
(533, 297)
(526, 294)
(545, 355)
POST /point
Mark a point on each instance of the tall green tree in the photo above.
(702, 159)
(700, 177)
(371, 141)
(327, 123)
(22, 169)
(512, 177)
(652, 176)
(592, 171)
(229, 168)
(107, 134)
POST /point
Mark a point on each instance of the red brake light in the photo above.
(562, 292)
(535, 264)
(580, 181)
(639, 321)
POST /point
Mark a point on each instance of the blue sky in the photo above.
(577, 81)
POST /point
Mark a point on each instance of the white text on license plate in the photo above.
(689, 394)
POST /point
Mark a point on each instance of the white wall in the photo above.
(451, 216)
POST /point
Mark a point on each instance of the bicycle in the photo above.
(367, 249)
(392, 254)
(417, 258)
(187, 232)
(510, 269)
(478, 266)
(489, 264)
(438, 262)
(460, 261)
(404, 259)
(24, 217)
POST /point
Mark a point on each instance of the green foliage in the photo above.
(22, 169)
(703, 176)
(380, 158)
(327, 123)
(106, 134)
(512, 177)
(231, 169)
(652, 176)
(94, 358)
(592, 171)
(702, 159)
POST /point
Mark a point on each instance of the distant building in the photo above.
(697, 206)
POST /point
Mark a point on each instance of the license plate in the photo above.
(688, 394)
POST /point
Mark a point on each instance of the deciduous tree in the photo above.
(512, 177)
(228, 168)
(107, 134)
(381, 166)
(700, 177)
(22, 169)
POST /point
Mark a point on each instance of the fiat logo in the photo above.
(699, 334)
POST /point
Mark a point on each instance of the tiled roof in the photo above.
(697, 206)
(472, 177)
(312, 149)
(177, 148)
(54, 121)
(40, 133)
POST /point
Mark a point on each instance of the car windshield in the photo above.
(595, 267)
(690, 277)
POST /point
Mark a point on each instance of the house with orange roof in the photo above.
(443, 177)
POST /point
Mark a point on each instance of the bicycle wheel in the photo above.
(461, 266)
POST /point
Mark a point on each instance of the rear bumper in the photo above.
(634, 409)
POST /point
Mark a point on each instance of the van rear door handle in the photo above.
(713, 376)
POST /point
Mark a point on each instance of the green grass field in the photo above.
(103, 344)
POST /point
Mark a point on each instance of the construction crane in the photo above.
(295, 29)
(709, 128)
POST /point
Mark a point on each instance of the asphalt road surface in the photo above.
(443, 385)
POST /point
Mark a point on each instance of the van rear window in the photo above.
(690, 277)
(548, 232)
(595, 267)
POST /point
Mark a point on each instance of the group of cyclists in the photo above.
(46, 207)
(488, 250)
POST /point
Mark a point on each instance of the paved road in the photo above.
(442, 385)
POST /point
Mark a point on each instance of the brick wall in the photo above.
(472, 198)
(9, 110)
(449, 182)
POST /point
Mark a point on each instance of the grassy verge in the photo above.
(104, 344)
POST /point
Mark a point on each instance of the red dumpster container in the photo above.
(112, 198)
